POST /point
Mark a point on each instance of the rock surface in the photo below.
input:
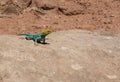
(70, 56)
(18, 16)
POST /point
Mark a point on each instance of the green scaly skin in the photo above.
(37, 37)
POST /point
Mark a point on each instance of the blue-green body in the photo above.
(35, 37)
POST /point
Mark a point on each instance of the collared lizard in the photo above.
(38, 37)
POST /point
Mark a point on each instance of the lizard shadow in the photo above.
(43, 43)
(39, 42)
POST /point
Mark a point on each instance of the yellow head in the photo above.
(46, 31)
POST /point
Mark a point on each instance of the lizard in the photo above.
(38, 37)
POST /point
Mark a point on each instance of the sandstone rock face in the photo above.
(4, 2)
(75, 7)
(70, 8)
(69, 56)
(11, 9)
(22, 3)
(33, 15)
(13, 6)
(45, 4)
(4, 5)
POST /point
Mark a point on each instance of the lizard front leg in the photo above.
(36, 40)
(43, 40)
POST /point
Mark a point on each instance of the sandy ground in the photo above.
(30, 16)
(69, 56)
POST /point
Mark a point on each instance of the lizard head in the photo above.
(46, 31)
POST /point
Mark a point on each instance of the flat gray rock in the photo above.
(69, 56)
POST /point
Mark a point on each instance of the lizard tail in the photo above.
(22, 34)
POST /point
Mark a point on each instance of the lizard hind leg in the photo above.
(27, 38)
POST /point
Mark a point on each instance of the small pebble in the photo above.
(110, 51)
(64, 48)
(108, 37)
(112, 76)
(76, 67)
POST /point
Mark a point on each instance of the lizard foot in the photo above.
(36, 44)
